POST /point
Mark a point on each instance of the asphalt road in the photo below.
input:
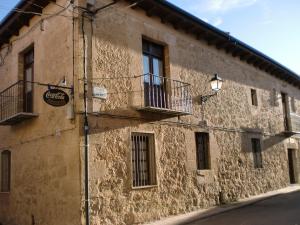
(280, 210)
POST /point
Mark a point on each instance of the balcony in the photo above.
(293, 124)
(164, 95)
(16, 103)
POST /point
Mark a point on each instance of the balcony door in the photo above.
(28, 79)
(154, 81)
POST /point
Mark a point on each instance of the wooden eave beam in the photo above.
(222, 44)
(151, 12)
(237, 52)
(211, 39)
(231, 48)
(257, 63)
(251, 59)
(245, 56)
(201, 35)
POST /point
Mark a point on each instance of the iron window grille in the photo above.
(143, 160)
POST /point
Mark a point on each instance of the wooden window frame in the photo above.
(154, 93)
(257, 153)
(6, 189)
(28, 65)
(136, 140)
(206, 151)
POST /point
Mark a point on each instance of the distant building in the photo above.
(122, 93)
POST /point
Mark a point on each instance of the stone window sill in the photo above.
(145, 187)
(204, 172)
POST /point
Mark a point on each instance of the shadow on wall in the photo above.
(117, 119)
(266, 143)
(193, 50)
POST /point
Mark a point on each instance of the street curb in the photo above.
(185, 219)
(230, 208)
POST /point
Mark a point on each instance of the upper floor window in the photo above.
(5, 171)
(256, 150)
(153, 70)
(293, 105)
(202, 151)
(143, 159)
(254, 97)
(28, 79)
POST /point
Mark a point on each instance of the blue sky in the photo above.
(270, 26)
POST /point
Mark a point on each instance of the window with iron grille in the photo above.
(5, 171)
(256, 150)
(254, 97)
(202, 150)
(143, 159)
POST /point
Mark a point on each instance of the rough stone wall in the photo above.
(45, 170)
(231, 123)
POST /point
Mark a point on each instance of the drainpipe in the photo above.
(86, 128)
(85, 99)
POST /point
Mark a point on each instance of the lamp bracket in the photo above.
(204, 98)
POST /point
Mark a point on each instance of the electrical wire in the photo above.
(37, 138)
(126, 7)
(149, 120)
(48, 17)
(21, 11)
(3, 57)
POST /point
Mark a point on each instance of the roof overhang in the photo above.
(14, 21)
(182, 20)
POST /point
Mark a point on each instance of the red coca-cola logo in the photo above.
(56, 97)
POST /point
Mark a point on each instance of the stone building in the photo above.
(128, 105)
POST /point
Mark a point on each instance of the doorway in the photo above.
(291, 166)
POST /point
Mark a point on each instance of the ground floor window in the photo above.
(5, 171)
(256, 150)
(202, 151)
(143, 159)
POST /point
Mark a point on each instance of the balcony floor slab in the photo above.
(17, 118)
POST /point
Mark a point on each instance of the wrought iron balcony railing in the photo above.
(16, 103)
(293, 123)
(164, 95)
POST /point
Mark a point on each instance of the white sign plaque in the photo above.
(100, 92)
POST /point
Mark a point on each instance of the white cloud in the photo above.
(218, 21)
(205, 20)
(224, 5)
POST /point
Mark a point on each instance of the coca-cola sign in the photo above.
(56, 97)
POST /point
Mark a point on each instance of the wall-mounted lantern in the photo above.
(216, 85)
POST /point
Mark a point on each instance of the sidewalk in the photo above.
(204, 213)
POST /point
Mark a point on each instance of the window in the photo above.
(143, 160)
(285, 110)
(5, 171)
(154, 81)
(254, 97)
(202, 151)
(256, 150)
(28, 78)
(293, 104)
